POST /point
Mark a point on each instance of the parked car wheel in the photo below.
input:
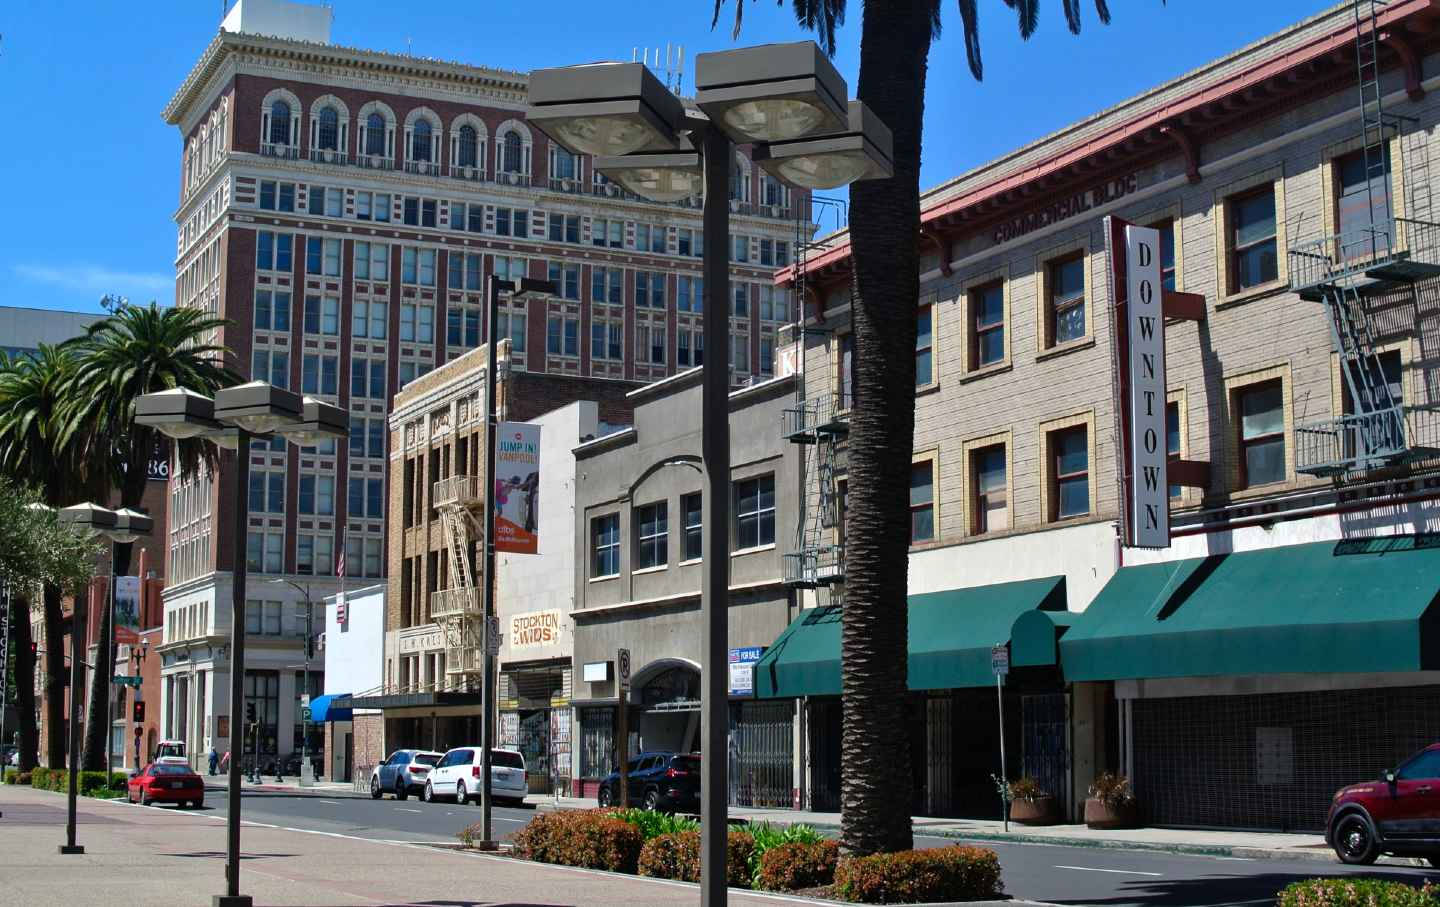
(402, 790)
(429, 795)
(1355, 841)
(652, 799)
(199, 804)
(604, 798)
(461, 798)
(144, 797)
(375, 791)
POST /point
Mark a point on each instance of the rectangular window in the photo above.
(305, 553)
(739, 248)
(685, 244)
(740, 305)
(272, 311)
(1262, 433)
(682, 348)
(267, 491)
(1167, 253)
(272, 366)
(566, 279)
(755, 512)
(652, 546)
(991, 506)
(605, 546)
(847, 370)
(427, 267)
(605, 339)
(1172, 439)
(411, 207)
(502, 221)
(428, 208)
(512, 325)
(362, 205)
(694, 536)
(767, 252)
(1253, 251)
(922, 501)
(1361, 200)
(267, 195)
(1067, 299)
(273, 251)
(562, 336)
(372, 556)
(924, 347)
(1070, 479)
(740, 352)
(987, 308)
(767, 355)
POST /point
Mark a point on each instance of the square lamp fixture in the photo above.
(771, 93)
(177, 413)
(258, 407)
(863, 151)
(604, 108)
(660, 176)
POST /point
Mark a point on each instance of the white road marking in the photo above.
(329, 802)
(1128, 872)
(404, 810)
(1238, 860)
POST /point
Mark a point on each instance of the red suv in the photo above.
(1398, 814)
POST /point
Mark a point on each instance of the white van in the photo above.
(458, 775)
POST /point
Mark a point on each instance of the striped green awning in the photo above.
(1350, 606)
(950, 638)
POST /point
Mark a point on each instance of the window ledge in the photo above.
(658, 568)
(994, 368)
(1070, 346)
(601, 579)
(932, 387)
(756, 550)
(1071, 520)
(1260, 291)
(692, 562)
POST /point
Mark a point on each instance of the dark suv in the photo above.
(1397, 814)
(663, 781)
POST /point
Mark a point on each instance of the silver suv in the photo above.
(403, 772)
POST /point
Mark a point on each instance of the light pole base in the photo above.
(486, 845)
(71, 848)
(230, 900)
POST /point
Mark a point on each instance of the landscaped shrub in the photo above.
(796, 865)
(11, 775)
(653, 824)
(40, 777)
(23, 778)
(588, 838)
(1357, 892)
(916, 876)
(767, 836)
(677, 856)
(58, 779)
(92, 783)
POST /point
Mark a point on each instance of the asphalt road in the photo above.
(1035, 872)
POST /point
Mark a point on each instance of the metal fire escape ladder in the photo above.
(1346, 272)
(457, 610)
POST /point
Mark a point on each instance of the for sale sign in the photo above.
(516, 487)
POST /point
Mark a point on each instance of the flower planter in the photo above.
(1036, 811)
(1100, 815)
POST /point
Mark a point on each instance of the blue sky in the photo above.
(90, 185)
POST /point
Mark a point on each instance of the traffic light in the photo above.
(139, 709)
(249, 713)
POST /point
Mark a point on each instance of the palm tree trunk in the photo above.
(97, 721)
(884, 231)
(56, 738)
(24, 680)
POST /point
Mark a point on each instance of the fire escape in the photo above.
(819, 423)
(457, 611)
(1348, 273)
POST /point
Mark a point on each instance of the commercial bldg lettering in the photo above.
(1079, 203)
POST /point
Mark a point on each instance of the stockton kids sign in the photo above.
(517, 488)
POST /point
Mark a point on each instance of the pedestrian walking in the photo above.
(225, 762)
(214, 760)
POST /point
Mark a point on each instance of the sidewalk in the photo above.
(150, 855)
(1214, 843)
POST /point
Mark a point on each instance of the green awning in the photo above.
(950, 638)
(1350, 606)
(1034, 637)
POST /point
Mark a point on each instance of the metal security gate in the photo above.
(1273, 760)
(824, 748)
(1045, 742)
(762, 753)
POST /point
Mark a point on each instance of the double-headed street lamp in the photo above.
(237, 415)
(789, 102)
(121, 527)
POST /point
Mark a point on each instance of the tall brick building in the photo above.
(342, 208)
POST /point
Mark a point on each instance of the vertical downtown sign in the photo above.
(1149, 498)
(516, 487)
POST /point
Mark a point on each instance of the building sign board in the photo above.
(1145, 371)
(517, 488)
(742, 670)
(534, 629)
(1079, 203)
(595, 672)
(1000, 660)
(127, 610)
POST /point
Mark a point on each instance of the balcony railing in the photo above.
(826, 414)
(817, 566)
(571, 186)
(286, 152)
(423, 168)
(462, 490)
(470, 174)
(1359, 443)
(454, 603)
(1402, 250)
(375, 162)
(329, 156)
(505, 177)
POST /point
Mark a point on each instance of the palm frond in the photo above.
(1072, 16)
(1028, 13)
(1102, 9)
(970, 21)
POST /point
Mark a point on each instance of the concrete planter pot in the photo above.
(1038, 811)
(1099, 815)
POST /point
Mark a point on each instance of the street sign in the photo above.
(1000, 660)
(305, 700)
(622, 668)
(492, 635)
(305, 713)
(126, 681)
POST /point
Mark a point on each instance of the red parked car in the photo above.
(167, 782)
(1398, 814)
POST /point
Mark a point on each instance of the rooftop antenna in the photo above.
(680, 69)
(634, 54)
(408, 42)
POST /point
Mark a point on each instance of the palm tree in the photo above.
(37, 449)
(895, 39)
(137, 350)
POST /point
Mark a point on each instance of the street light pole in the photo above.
(79, 614)
(306, 778)
(232, 896)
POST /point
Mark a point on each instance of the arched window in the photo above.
(375, 135)
(564, 165)
(511, 151)
(279, 123)
(329, 139)
(420, 141)
(469, 147)
(740, 180)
